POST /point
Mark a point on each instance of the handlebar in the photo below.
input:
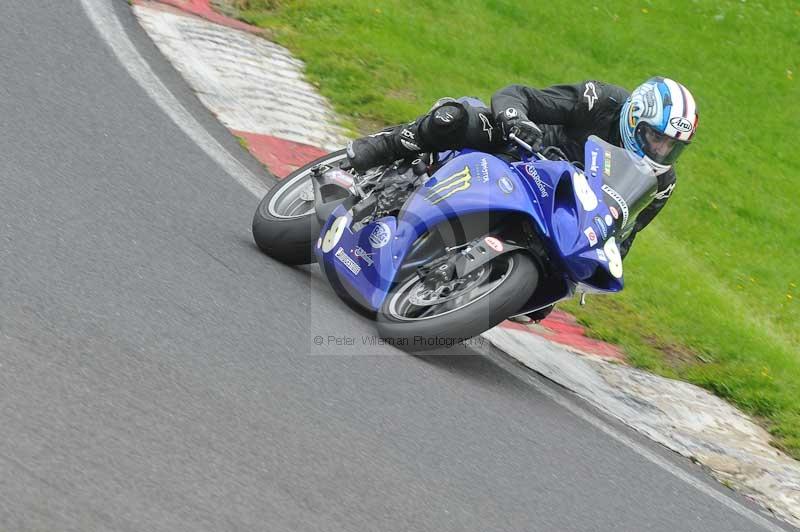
(525, 146)
(521, 143)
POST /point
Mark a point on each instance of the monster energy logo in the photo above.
(449, 186)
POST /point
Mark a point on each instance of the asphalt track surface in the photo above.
(158, 373)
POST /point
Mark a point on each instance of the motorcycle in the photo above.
(442, 249)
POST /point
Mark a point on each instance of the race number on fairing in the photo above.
(585, 194)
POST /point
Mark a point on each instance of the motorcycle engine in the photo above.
(388, 195)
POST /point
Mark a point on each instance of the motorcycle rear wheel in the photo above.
(285, 226)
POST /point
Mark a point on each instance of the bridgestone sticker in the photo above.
(347, 261)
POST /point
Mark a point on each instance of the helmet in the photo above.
(658, 120)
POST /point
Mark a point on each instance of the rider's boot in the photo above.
(446, 126)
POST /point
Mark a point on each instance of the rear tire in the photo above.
(465, 321)
(285, 226)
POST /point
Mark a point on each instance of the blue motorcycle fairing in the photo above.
(359, 264)
(566, 206)
(468, 183)
(590, 254)
(572, 201)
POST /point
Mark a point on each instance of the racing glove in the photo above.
(514, 121)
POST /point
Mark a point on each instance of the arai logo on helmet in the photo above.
(681, 124)
(380, 235)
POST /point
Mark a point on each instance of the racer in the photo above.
(655, 122)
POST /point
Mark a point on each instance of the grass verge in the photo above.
(712, 286)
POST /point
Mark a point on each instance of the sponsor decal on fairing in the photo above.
(601, 255)
(601, 227)
(611, 250)
(349, 263)
(591, 235)
(334, 233)
(585, 194)
(594, 168)
(506, 185)
(380, 235)
(484, 170)
(537, 179)
(450, 185)
(363, 255)
(623, 205)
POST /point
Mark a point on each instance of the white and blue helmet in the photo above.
(658, 120)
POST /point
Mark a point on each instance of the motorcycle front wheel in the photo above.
(419, 318)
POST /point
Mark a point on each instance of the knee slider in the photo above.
(448, 117)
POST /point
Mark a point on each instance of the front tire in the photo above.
(408, 320)
(285, 225)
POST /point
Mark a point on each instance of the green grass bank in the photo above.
(712, 291)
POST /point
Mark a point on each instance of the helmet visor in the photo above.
(659, 147)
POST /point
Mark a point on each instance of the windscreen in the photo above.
(628, 182)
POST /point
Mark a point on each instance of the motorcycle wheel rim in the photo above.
(291, 200)
(401, 308)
